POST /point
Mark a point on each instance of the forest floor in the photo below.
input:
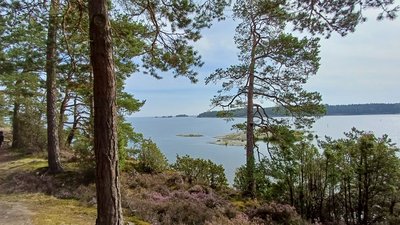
(31, 196)
(22, 205)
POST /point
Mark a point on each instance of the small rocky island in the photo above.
(234, 139)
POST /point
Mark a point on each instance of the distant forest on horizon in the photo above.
(331, 110)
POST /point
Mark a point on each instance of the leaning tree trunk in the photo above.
(105, 126)
(53, 147)
(61, 118)
(71, 134)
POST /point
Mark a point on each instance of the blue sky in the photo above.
(363, 67)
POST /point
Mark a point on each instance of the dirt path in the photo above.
(12, 213)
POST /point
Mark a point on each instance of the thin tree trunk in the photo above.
(53, 147)
(16, 136)
(105, 124)
(75, 123)
(351, 207)
(301, 194)
(391, 207)
(291, 191)
(366, 193)
(61, 121)
(360, 193)
(346, 207)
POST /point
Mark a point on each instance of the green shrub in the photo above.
(32, 141)
(200, 171)
(151, 159)
(83, 151)
(262, 183)
(126, 135)
(275, 213)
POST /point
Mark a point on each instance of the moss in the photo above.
(23, 164)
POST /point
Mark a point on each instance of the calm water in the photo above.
(164, 132)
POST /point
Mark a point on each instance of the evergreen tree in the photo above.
(21, 64)
(53, 144)
(171, 26)
(274, 66)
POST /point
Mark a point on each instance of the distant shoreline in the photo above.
(197, 117)
(332, 110)
(243, 117)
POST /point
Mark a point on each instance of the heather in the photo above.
(147, 198)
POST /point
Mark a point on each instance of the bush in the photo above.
(32, 141)
(176, 207)
(151, 159)
(84, 152)
(200, 171)
(240, 219)
(262, 183)
(126, 135)
(274, 213)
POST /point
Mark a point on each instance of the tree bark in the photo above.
(105, 124)
(53, 147)
(250, 143)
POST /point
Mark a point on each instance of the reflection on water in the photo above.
(164, 132)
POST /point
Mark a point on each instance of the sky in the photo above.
(362, 67)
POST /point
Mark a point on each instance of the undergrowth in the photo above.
(148, 198)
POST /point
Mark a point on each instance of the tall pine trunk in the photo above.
(105, 124)
(250, 142)
(250, 161)
(53, 146)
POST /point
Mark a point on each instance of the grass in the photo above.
(25, 164)
(16, 163)
(43, 208)
(49, 210)
(135, 220)
(46, 209)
